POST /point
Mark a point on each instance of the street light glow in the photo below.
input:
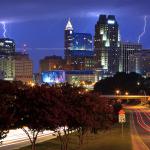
(117, 91)
(126, 93)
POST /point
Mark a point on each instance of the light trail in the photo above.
(141, 122)
(18, 135)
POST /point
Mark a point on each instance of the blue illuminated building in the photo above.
(78, 49)
(52, 77)
(82, 41)
(72, 76)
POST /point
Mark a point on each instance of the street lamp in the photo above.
(138, 83)
(117, 92)
(126, 93)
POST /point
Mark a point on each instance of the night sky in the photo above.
(40, 23)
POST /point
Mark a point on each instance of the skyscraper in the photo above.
(7, 63)
(140, 62)
(68, 41)
(107, 43)
(51, 63)
(78, 49)
(127, 49)
(7, 46)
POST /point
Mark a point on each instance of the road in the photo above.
(17, 139)
(140, 127)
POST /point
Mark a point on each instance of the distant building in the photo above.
(51, 63)
(7, 67)
(78, 77)
(7, 46)
(127, 49)
(23, 67)
(106, 44)
(68, 41)
(78, 49)
(140, 62)
(53, 77)
(82, 60)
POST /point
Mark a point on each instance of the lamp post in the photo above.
(117, 93)
(126, 93)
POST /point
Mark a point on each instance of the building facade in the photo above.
(7, 46)
(51, 63)
(78, 49)
(82, 60)
(140, 62)
(86, 78)
(23, 68)
(68, 42)
(7, 67)
(107, 44)
(127, 49)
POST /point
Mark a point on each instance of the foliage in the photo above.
(131, 83)
(63, 109)
(7, 111)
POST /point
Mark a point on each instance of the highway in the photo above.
(140, 127)
(17, 139)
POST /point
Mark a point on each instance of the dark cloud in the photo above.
(24, 10)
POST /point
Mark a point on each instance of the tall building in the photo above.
(140, 62)
(7, 67)
(7, 46)
(7, 63)
(78, 49)
(23, 67)
(107, 43)
(127, 49)
(82, 60)
(51, 63)
(82, 41)
(68, 41)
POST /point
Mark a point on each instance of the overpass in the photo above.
(127, 97)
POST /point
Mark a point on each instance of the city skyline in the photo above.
(41, 25)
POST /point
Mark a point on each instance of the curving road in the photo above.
(140, 127)
(17, 139)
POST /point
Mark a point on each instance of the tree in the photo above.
(33, 112)
(6, 116)
(82, 112)
(122, 81)
(93, 113)
(7, 111)
(65, 112)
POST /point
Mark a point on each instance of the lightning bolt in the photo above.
(144, 29)
(4, 29)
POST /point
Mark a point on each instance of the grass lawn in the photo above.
(108, 140)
